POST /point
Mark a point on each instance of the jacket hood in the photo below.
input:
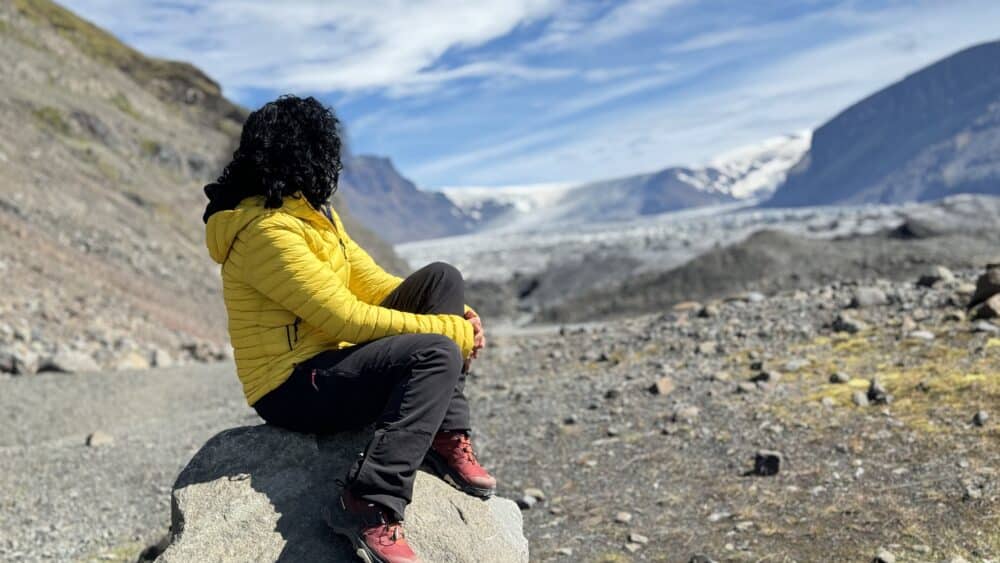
(224, 226)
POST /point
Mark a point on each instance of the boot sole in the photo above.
(441, 469)
(360, 549)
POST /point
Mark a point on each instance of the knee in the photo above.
(444, 271)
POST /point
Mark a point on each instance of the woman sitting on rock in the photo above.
(325, 340)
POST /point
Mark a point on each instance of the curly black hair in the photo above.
(287, 146)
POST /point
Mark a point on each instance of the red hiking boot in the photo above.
(376, 536)
(451, 457)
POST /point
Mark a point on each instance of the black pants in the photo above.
(409, 385)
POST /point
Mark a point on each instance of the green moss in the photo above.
(149, 148)
(52, 118)
(121, 102)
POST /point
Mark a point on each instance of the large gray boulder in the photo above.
(255, 493)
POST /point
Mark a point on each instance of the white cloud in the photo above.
(323, 46)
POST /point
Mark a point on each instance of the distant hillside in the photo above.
(933, 134)
(103, 153)
(390, 204)
(747, 173)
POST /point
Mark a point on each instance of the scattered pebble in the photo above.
(884, 556)
(767, 463)
(663, 386)
(860, 398)
(98, 438)
(638, 538)
(839, 377)
(980, 418)
(623, 517)
(924, 335)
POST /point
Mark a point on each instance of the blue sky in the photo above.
(504, 92)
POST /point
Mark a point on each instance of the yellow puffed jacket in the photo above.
(295, 284)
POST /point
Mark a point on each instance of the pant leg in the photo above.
(436, 288)
(402, 383)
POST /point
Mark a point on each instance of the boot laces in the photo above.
(465, 446)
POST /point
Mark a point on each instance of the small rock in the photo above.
(570, 420)
(98, 439)
(745, 387)
(767, 376)
(989, 309)
(526, 502)
(828, 402)
(686, 306)
(638, 538)
(687, 413)
(980, 418)
(535, 492)
(132, 361)
(958, 559)
(623, 517)
(796, 364)
(567, 551)
(612, 394)
(884, 556)
(161, 358)
(708, 348)
(877, 393)
(767, 463)
(663, 386)
(985, 327)
(839, 377)
(860, 398)
(847, 323)
(935, 276)
(869, 297)
(924, 335)
(987, 286)
(708, 312)
(701, 558)
(69, 361)
(632, 547)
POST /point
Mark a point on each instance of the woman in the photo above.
(325, 340)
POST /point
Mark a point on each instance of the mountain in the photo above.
(747, 173)
(933, 134)
(393, 206)
(104, 152)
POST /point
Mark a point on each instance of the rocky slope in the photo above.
(933, 134)
(630, 440)
(103, 154)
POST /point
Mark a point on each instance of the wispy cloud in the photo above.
(324, 46)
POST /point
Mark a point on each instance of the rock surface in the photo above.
(255, 493)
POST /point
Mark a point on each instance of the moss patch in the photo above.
(53, 119)
(121, 102)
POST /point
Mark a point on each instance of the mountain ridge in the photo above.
(744, 173)
(932, 134)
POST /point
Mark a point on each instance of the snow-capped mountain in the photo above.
(747, 173)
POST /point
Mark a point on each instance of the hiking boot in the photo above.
(375, 534)
(451, 457)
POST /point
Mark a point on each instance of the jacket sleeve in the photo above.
(368, 280)
(279, 263)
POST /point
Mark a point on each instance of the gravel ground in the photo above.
(611, 470)
(62, 500)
